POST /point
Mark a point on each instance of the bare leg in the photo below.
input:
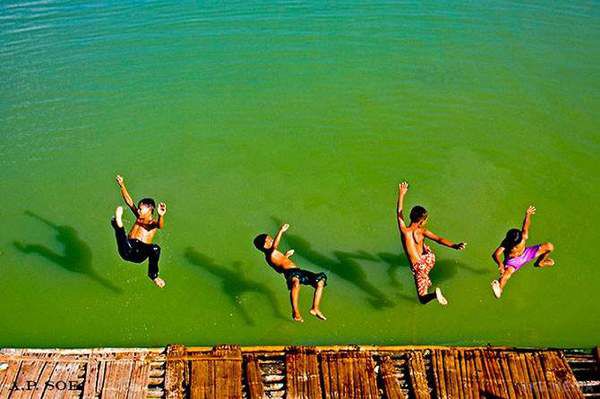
(317, 300)
(543, 254)
(498, 286)
(294, 293)
(153, 266)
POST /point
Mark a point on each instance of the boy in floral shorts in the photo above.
(420, 256)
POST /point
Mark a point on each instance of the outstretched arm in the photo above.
(126, 197)
(443, 241)
(402, 190)
(282, 230)
(497, 256)
(162, 209)
(525, 230)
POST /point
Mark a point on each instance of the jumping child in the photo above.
(516, 254)
(294, 276)
(137, 246)
(419, 255)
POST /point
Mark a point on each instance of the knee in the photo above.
(295, 282)
(321, 283)
(549, 247)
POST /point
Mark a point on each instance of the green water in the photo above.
(239, 116)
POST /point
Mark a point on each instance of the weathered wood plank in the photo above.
(217, 374)
(438, 374)
(64, 373)
(342, 366)
(452, 380)
(526, 379)
(117, 379)
(418, 375)
(28, 376)
(496, 375)
(9, 375)
(565, 376)
(540, 375)
(533, 376)
(45, 374)
(463, 377)
(391, 385)
(140, 376)
(175, 374)
(554, 388)
(91, 377)
(369, 375)
(472, 373)
(254, 378)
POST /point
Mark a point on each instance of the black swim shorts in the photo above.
(306, 277)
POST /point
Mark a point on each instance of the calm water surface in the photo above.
(246, 114)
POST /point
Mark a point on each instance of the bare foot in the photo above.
(119, 216)
(545, 263)
(159, 282)
(317, 313)
(298, 318)
(440, 298)
(496, 288)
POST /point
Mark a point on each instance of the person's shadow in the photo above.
(343, 264)
(76, 256)
(234, 282)
(394, 263)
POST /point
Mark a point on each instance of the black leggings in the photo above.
(427, 298)
(136, 251)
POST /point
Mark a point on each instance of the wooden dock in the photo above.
(300, 372)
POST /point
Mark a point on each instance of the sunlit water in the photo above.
(243, 115)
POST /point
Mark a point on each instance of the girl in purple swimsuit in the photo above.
(516, 254)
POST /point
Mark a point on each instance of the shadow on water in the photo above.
(344, 265)
(76, 256)
(234, 282)
(394, 263)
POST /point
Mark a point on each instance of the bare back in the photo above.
(413, 241)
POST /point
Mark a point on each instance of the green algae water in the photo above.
(244, 115)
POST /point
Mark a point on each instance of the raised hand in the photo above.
(284, 227)
(162, 209)
(403, 188)
(531, 210)
(119, 180)
(460, 246)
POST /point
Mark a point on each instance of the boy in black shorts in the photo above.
(294, 276)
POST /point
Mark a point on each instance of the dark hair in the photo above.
(417, 214)
(259, 241)
(149, 202)
(512, 239)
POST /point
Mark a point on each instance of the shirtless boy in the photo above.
(516, 254)
(294, 276)
(137, 246)
(419, 255)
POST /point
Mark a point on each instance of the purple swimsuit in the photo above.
(527, 256)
